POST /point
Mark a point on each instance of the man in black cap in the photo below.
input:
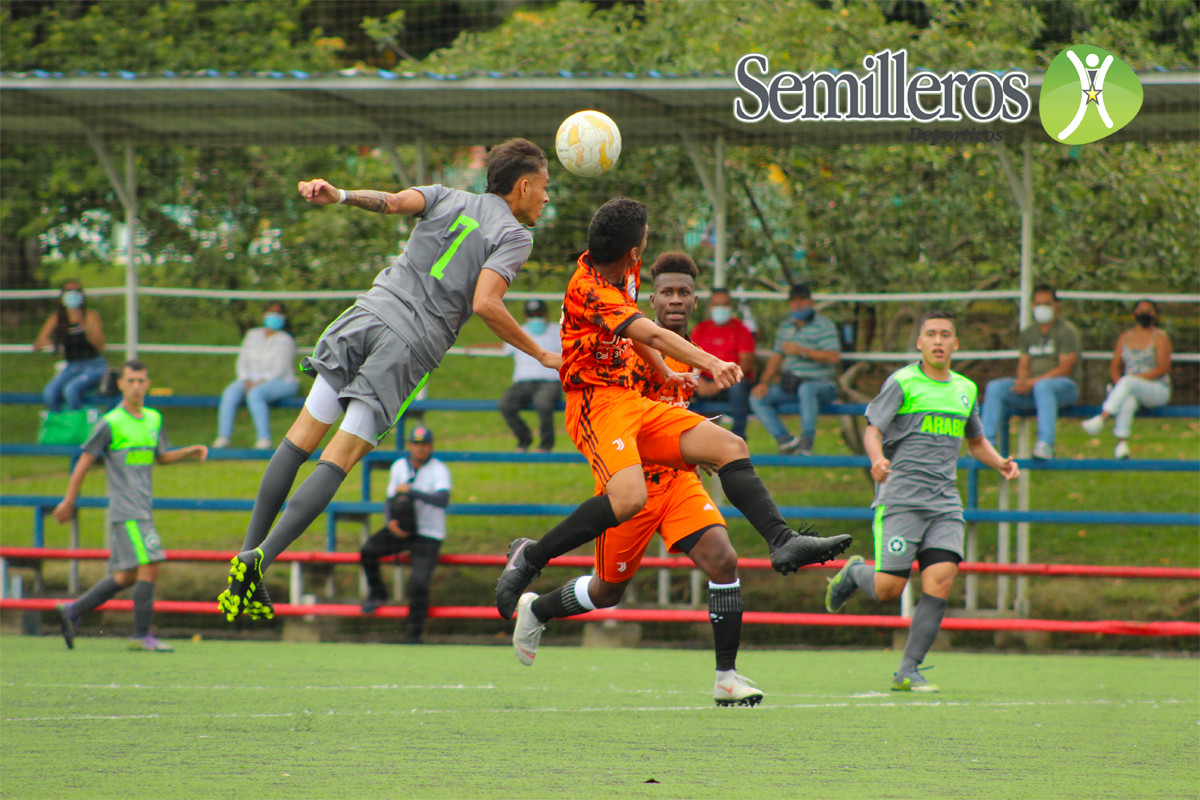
(418, 493)
(533, 384)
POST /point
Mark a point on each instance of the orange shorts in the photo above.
(682, 509)
(616, 428)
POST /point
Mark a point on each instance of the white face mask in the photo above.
(1043, 315)
(721, 314)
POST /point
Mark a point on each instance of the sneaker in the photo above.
(1042, 451)
(528, 630)
(220, 443)
(264, 444)
(1094, 426)
(736, 690)
(373, 602)
(841, 587)
(67, 623)
(789, 446)
(805, 447)
(912, 681)
(244, 577)
(260, 606)
(1121, 450)
(806, 548)
(518, 574)
(151, 644)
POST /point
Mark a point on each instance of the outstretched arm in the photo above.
(724, 373)
(321, 192)
(197, 451)
(985, 454)
(489, 305)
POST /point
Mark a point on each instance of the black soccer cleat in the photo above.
(518, 574)
(245, 576)
(67, 622)
(804, 548)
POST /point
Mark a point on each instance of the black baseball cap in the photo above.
(800, 291)
(535, 308)
(421, 435)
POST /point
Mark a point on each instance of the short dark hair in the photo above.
(674, 261)
(720, 290)
(1153, 304)
(800, 291)
(937, 313)
(509, 162)
(1045, 287)
(135, 364)
(616, 226)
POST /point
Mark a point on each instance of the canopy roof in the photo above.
(353, 108)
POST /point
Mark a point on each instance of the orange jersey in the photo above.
(595, 312)
(652, 386)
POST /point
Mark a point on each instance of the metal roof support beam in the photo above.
(386, 143)
(126, 189)
(714, 187)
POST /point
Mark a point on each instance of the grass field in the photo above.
(274, 720)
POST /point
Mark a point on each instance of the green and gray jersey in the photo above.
(128, 445)
(428, 293)
(923, 423)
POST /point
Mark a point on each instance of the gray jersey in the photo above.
(923, 423)
(428, 294)
(128, 445)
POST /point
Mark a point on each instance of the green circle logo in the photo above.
(1087, 94)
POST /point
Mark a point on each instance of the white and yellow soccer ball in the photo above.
(588, 143)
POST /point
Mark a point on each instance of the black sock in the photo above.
(276, 483)
(593, 517)
(96, 596)
(926, 622)
(746, 491)
(143, 608)
(725, 613)
(555, 605)
(308, 501)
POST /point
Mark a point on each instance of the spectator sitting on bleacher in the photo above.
(533, 383)
(1141, 376)
(418, 527)
(265, 375)
(727, 338)
(1047, 367)
(805, 355)
(78, 331)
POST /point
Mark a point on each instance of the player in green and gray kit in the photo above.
(130, 440)
(371, 361)
(915, 430)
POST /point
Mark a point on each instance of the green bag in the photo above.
(67, 427)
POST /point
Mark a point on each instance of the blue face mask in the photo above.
(72, 298)
(536, 326)
(804, 315)
(274, 321)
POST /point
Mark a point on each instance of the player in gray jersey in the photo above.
(130, 440)
(371, 361)
(914, 434)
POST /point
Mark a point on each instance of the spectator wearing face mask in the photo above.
(1141, 376)
(801, 367)
(265, 375)
(532, 383)
(1047, 370)
(76, 330)
(727, 337)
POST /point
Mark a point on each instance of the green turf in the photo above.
(275, 720)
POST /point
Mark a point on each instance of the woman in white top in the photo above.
(265, 374)
(1141, 374)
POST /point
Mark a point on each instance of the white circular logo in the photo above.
(896, 544)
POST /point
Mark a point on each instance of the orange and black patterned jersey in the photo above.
(651, 385)
(595, 312)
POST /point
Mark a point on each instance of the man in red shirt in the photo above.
(727, 338)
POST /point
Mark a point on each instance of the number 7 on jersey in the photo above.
(467, 224)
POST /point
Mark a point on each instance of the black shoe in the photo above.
(67, 622)
(372, 603)
(259, 606)
(518, 574)
(804, 549)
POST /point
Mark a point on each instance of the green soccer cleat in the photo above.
(912, 681)
(245, 576)
(841, 587)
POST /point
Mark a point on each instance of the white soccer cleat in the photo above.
(736, 690)
(528, 631)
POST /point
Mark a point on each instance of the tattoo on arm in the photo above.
(369, 201)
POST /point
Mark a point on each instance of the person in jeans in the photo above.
(1047, 371)
(265, 375)
(533, 383)
(801, 367)
(78, 331)
(1141, 376)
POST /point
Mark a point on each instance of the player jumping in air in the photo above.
(373, 359)
(678, 508)
(616, 428)
(915, 430)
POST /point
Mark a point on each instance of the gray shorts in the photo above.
(900, 534)
(133, 543)
(363, 359)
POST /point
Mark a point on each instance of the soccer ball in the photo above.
(588, 143)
